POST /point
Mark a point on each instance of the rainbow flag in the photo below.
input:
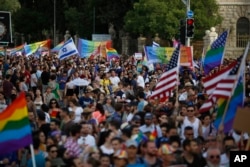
(226, 117)
(222, 103)
(32, 48)
(15, 130)
(57, 47)
(153, 135)
(215, 54)
(237, 100)
(141, 137)
(158, 54)
(112, 54)
(86, 47)
(19, 48)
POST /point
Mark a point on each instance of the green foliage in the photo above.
(163, 17)
(135, 16)
(9, 5)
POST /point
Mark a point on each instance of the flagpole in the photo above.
(235, 82)
(32, 155)
(223, 54)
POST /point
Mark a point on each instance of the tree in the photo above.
(9, 5)
(163, 17)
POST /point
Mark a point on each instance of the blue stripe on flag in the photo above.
(67, 54)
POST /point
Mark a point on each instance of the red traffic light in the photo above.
(190, 21)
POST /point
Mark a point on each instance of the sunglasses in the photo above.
(190, 110)
(53, 102)
(214, 157)
(53, 151)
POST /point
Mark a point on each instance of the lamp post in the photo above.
(54, 22)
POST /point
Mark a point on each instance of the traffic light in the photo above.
(190, 27)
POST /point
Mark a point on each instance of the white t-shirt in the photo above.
(33, 80)
(89, 140)
(114, 80)
(194, 125)
(78, 111)
(140, 81)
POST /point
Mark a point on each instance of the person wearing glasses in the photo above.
(213, 157)
(52, 154)
(191, 120)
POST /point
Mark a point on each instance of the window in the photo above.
(243, 32)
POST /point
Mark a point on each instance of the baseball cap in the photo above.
(136, 118)
(148, 116)
(130, 143)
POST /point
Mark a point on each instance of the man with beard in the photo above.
(150, 155)
(191, 155)
(213, 157)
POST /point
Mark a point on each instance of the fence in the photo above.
(242, 40)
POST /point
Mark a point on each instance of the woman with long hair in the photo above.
(38, 100)
(54, 109)
(99, 113)
(22, 84)
(101, 97)
(108, 106)
(106, 147)
(76, 110)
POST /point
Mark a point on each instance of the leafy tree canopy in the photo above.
(9, 5)
(163, 17)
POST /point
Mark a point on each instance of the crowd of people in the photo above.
(112, 121)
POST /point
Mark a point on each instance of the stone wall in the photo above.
(231, 11)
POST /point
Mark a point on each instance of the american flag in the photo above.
(225, 87)
(168, 79)
(220, 41)
(210, 82)
(221, 85)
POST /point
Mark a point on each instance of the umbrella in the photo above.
(80, 82)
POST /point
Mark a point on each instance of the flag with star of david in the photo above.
(68, 49)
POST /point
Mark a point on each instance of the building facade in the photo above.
(236, 17)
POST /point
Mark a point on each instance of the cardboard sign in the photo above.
(138, 56)
(186, 58)
(241, 120)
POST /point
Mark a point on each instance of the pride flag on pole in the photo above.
(15, 130)
(86, 48)
(112, 54)
(215, 54)
(32, 48)
(57, 47)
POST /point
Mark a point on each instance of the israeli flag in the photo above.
(155, 44)
(68, 49)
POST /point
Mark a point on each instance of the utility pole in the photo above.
(54, 23)
(188, 9)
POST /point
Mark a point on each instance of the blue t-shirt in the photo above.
(140, 106)
(85, 101)
(40, 160)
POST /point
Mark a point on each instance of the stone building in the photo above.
(236, 17)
